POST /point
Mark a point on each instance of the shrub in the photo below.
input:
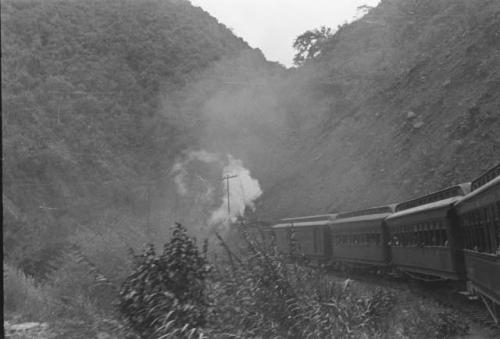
(265, 296)
(165, 295)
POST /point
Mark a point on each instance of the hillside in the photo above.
(122, 117)
(405, 101)
(95, 111)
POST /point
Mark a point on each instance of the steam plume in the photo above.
(243, 191)
(209, 191)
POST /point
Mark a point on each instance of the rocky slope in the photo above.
(409, 103)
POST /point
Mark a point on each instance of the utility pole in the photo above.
(227, 177)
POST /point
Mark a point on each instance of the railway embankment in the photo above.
(438, 304)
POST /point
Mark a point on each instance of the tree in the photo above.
(310, 43)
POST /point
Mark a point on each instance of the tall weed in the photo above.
(22, 296)
(265, 295)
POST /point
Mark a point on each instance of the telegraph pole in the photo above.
(227, 177)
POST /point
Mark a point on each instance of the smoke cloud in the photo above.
(180, 169)
(198, 177)
(243, 191)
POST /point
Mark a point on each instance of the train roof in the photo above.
(313, 220)
(426, 207)
(429, 199)
(367, 211)
(372, 213)
(311, 217)
(486, 177)
(484, 187)
(361, 218)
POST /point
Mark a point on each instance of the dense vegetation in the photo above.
(94, 111)
(254, 292)
(99, 98)
(85, 127)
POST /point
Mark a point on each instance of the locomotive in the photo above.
(452, 234)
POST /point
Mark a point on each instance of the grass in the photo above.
(263, 295)
(22, 296)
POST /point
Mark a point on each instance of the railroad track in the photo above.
(472, 309)
(446, 294)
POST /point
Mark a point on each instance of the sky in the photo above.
(273, 25)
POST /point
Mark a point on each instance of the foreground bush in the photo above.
(166, 295)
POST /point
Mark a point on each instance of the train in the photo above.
(452, 234)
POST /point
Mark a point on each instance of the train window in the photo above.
(425, 241)
(487, 236)
(467, 235)
(468, 231)
(443, 238)
(473, 235)
(478, 231)
(495, 228)
(476, 234)
(413, 236)
(395, 240)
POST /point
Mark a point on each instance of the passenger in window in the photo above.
(395, 241)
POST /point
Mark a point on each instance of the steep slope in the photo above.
(408, 103)
(93, 114)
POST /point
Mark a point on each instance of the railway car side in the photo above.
(360, 238)
(305, 237)
(479, 218)
(425, 239)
